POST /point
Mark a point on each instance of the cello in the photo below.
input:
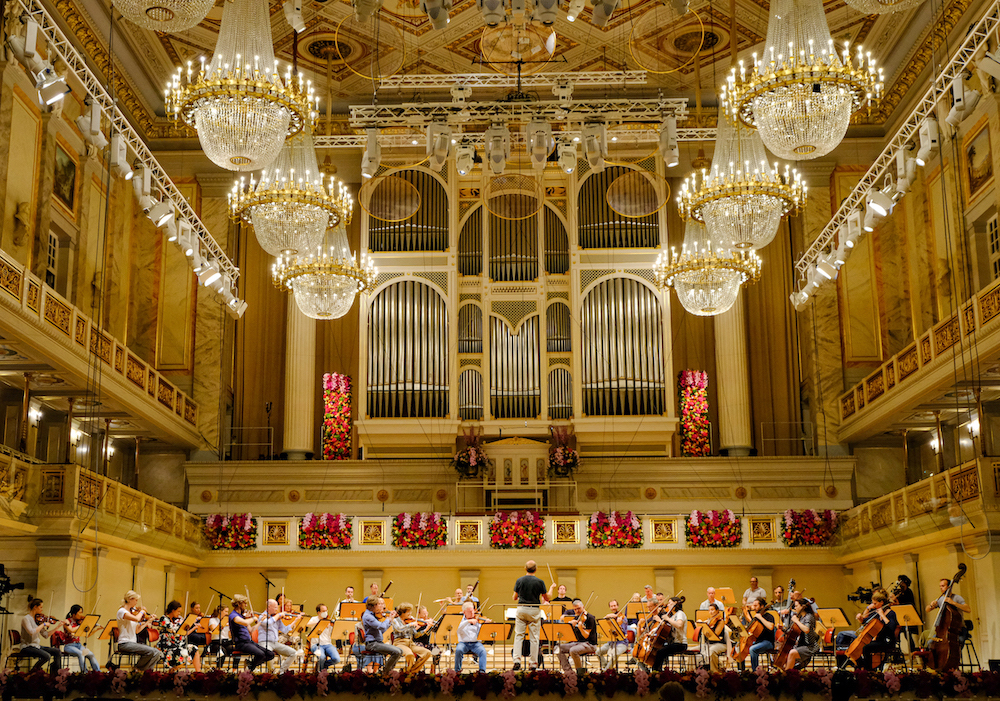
(754, 631)
(647, 646)
(945, 646)
(869, 631)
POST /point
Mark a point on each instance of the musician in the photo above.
(239, 628)
(885, 641)
(322, 646)
(754, 591)
(287, 637)
(375, 629)
(470, 596)
(648, 597)
(955, 600)
(269, 627)
(404, 628)
(74, 646)
(468, 637)
(779, 599)
(174, 647)
(615, 647)
(348, 599)
(423, 637)
(34, 626)
(707, 603)
(132, 619)
(677, 642)
(529, 593)
(765, 641)
(373, 588)
(219, 621)
(711, 649)
(903, 594)
(563, 599)
(803, 618)
(195, 638)
(585, 631)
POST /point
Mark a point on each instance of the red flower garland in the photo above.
(713, 529)
(336, 416)
(421, 529)
(326, 532)
(517, 529)
(808, 527)
(692, 405)
(236, 532)
(615, 529)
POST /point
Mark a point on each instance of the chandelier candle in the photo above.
(242, 109)
(801, 93)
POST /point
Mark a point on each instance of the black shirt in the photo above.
(566, 609)
(906, 598)
(766, 635)
(590, 624)
(886, 636)
(529, 589)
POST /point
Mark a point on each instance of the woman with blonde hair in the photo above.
(132, 618)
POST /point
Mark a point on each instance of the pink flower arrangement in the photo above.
(236, 532)
(808, 527)
(713, 529)
(563, 460)
(336, 416)
(517, 529)
(421, 529)
(692, 405)
(325, 532)
(615, 529)
(472, 461)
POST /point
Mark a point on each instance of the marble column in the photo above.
(37, 259)
(300, 382)
(733, 381)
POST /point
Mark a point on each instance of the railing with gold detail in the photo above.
(37, 303)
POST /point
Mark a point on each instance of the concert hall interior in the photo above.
(677, 293)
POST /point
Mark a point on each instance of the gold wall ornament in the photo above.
(663, 530)
(468, 532)
(762, 530)
(372, 532)
(565, 531)
(275, 533)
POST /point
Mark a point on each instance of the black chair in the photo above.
(968, 650)
(17, 658)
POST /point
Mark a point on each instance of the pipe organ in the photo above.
(602, 227)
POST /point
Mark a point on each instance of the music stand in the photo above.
(447, 632)
(492, 632)
(87, 625)
(608, 629)
(726, 596)
(342, 629)
(352, 611)
(551, 612)
(906, 615)
(389, 603)
(452, 609)
(558, 633)
(317, 630)
(701, 615)
(834, 618)
(187, 624)
(636, 610)
(205, 626)
(106, 635)
(707, 631)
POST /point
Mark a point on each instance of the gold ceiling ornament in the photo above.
(372, 48)
(801, 93)
(518, 48)
(164, 15)
(293, 203)
(881, 7)
(660, 51)
(326, 281)
(706, 278)
(638, 193)
(242, 109)
(742, 199)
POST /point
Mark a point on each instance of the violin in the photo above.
(945, 646)
(41, 618)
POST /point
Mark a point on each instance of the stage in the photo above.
(810, 685)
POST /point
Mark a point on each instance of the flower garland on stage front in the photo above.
(336, 416)
(236, 532)
(421, 529)
(614, 530)
(713, 529)
(808, 527)
(326, 532)
(517, 529)
(692, 405)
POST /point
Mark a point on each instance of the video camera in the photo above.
(863, 595)
(6, 587)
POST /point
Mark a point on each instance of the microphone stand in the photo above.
(267, 589)
(222, 597)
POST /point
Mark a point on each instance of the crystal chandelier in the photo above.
(325, 282)
(165, 15)
(242, 109)
(742, 198)
(293, 203)
(801, 93)
(706, 280)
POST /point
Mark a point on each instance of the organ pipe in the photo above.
(513, 249)
(515, 362)
(427, 230)
(601, 227)
(560, 394)
(470, 329)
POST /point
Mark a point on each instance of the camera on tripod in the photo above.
(863, 595)
(7, 587)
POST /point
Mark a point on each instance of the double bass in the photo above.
(792, 635)
(945, 646)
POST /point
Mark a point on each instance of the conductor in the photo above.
(529, 593)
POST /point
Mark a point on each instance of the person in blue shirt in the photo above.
(375, 629)
(268, 629)
(239, 630)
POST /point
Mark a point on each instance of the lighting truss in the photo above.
(499, 80)
(975, 40)
(58, 43)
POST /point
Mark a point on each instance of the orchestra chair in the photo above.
(922, 653)
(15, 658)
(968, 650)
(361, 655)
(121, 659)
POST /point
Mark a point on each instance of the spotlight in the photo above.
(460, 94)
(197, 262)
(906, 170)
(990, 65)
(237, 308)
(854, 228)
(170, 229)
(89, 124)
(567, 157)
(161, 213)
(545, 11)
(372, 156)
(437, 12)
(438, 144)
(880, 202)
(493, 11)
(799, 300)
(872, 218)
(603, 9)
(594, 144)
(825, 266)
(668, 142)
(182, 232)
(928, 141)
(366, 9)
(497, 139)
(119, 156)
(53, 91)
(540, 142)
(563, 91)
(465, 159)
(142, 183)
(209, 274)
(293, 15)
(576, 8)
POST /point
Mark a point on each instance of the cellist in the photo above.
(765, 639)
(885, 640)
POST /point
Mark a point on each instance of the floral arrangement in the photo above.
(517, 529)
(325, 532)
(421, 529)
(713, 529)
(236, 532)
(563, 459)
(614, 530)
(471, 461)
(808, 527)
(795, 684)
(692, 405)
(336, 416)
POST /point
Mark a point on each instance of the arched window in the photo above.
(470, 245)
(470, 329)
(622, 342)
(470, 396)
(427, 230)
(560, 394)
(602, 227)
(557, 338)
(408, 352)
(515, 377)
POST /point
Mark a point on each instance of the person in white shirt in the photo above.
(131, 619)
(348, 599)
(754, 591)
(322, 646)
(470, 596)
(707, 603)
(33, 630)
(268, 628)
(468, 637)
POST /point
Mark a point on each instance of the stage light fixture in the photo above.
(880, 202)
(798, 300)
(366, 9)
(929, 142)
(594, 144)
(576, 8)
(872, 218)
(160, 213)
(465, 159)
(906, 170)
(438, 12)
(567, 157)
(142, 183)
(89, 124)
(990, 65)
(540, 142)
(293, 15)
(209, 274)
(372, 156)
(545, 12)
(237, 308)
(53, 91)
(119, 157)
(826, 268)
(493, 11)
(497, 139)
(438, 144)
(854, 228)
(602, 11)
(668, 142)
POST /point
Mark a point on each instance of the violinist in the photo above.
(240, 620)
(219, 621)
(34, 626)
(74, 646)
(375, 629)
(404, 627)
(195, 638)
(711, 649)
(468, 637)
(805, 620)
(132, 618)
(269, 627)
(563, 598)
(615, 647)
(677, 642)
(423, 637)
(288, 637)
(585, 630)
(765, 639)
(174, 648)
(322, 646)
(885, 640)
